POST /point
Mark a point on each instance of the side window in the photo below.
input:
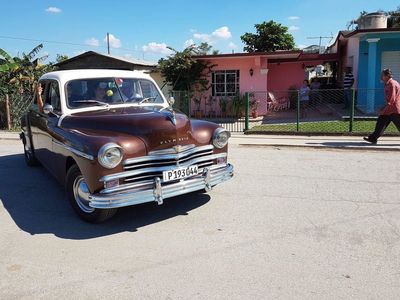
(54, 96)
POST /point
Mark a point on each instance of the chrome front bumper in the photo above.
(209, 177)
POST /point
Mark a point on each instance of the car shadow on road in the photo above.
(37, 204)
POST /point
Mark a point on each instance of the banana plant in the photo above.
(7, 63)
(22, 71)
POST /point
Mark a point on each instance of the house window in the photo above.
(225, 83)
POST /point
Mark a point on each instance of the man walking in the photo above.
(391, 111)
(348, 82)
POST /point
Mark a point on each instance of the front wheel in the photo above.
(77, 194)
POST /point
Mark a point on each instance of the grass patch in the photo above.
(324, 127)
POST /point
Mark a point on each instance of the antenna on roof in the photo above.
(108, 43)
(320, 39)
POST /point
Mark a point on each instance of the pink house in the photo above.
(259, 73)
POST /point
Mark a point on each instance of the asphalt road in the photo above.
(292, 224)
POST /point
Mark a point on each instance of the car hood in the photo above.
(158, 127)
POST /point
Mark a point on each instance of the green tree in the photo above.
(183, 72)
(270, 36)
(20, 72)
(61, 57)
(204, 49)
(394, 18)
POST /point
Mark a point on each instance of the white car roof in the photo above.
(64, 76)
(67, 75)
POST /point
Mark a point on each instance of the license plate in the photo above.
(180, 173)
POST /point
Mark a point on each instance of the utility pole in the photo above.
(108, 43)
(320, 39)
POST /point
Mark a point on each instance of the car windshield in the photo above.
(110, 91)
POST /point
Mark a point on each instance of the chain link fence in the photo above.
(227, 111)
(322, 111)
(12, 108)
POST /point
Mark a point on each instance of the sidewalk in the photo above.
(9, 135)
(336, 142)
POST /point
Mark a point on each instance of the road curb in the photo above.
(309, 134)
(324, 147)
(9, 138)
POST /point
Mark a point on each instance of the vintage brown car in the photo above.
(113, 140)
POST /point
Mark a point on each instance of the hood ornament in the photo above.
(172, 117)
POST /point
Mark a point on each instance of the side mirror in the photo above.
(171, 101)
(47, 109)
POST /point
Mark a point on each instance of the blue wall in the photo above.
(387, 42)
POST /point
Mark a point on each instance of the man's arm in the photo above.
(390, 93)
(39, 91)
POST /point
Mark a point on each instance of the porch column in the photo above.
(372, 50)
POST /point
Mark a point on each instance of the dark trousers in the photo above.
(348, 97)
(382, 123)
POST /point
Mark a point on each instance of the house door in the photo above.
(391, 60)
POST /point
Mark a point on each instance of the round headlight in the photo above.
(221, 137)
(110, 155)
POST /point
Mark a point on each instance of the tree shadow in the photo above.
(37, 204)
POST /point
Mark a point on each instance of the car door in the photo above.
(43, 125)
(37, 120)
(52, 134)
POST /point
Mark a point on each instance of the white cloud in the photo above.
(221, 33)
(188, 43)
(53, 10)
(294, 28)
(203, 37)
(232, 45)
(192, 30)
(301, 46)
(92, 42)
(293, 18)
(114, 42)
(158, 48)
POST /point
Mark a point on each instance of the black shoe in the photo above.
(367, 139)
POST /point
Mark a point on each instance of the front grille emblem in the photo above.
(177, 148)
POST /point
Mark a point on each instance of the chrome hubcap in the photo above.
(81, 194)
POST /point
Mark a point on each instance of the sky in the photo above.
(144, 29)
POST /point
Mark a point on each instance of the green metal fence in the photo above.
(230, 112)
(322, 111)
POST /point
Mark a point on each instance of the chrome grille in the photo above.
(148, 167)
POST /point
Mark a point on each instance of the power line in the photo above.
(61, 43)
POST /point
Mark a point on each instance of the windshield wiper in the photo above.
(147, 99)
(92, 101)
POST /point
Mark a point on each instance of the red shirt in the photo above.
(392, 98)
